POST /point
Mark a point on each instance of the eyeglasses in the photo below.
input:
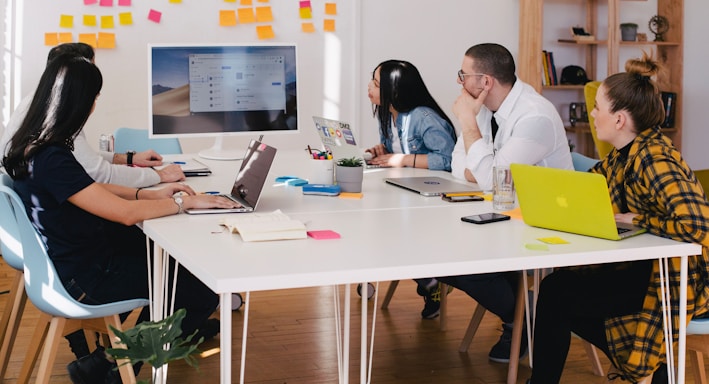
(461, 75)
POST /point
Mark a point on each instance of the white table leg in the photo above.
(363, 336)
(346, 337)
(681, 353)
(225, 339)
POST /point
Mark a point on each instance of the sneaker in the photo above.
(500, 352)
(90, 369)
(432, 301)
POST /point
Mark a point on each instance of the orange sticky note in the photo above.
(66, 21)
(66, 37)
(88, 38)
(329, 25)
(125, 18)
(227, 18)
(331, 8)
(306, 13)
(263, 1)
(246, 15)
(246, 2)
(230, 1)
(350, 195)
(90, 20)
(107, 22)
(51, 39)
(308, 27)
(106, 40)
(265, 32)
(263, 14)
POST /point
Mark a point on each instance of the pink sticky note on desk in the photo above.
(323, 234)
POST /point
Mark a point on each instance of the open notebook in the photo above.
(569, 201)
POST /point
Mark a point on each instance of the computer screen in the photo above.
(222, 90)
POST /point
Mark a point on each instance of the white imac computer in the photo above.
(222, 90)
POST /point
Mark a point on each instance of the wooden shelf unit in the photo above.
(669, 52)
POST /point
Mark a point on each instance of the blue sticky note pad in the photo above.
(321, 189)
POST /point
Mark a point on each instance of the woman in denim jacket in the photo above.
(414, 131)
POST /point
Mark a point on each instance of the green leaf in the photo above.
(147, 342)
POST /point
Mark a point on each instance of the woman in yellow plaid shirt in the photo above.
(617, 306)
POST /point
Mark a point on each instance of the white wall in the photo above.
(432, 35)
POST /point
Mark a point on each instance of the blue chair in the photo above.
(61, 313)
(133, 139)
(582, 163)
(12, 254)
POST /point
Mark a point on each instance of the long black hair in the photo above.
(401, 87)
(61, 105)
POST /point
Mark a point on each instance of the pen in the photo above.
(310, 150)
(179, 162)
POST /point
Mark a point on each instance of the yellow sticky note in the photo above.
(262, 1)
(329, 25)
(350, 195)
(51, 39)
(331, 8)
(107, 22)
(175, 1)
(246, 15)
(536, 247)
(125, 18)
(553, 240)
(66, 21)
(88, 38)
(308, 27)
(306, 13)
(66, 37)
(265, 32)
(247, 2)
(230, 1)
(90, 20)
(106, 40)
(263, 14)
(227, 18)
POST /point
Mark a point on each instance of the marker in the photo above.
(210, 193)
(179, 162)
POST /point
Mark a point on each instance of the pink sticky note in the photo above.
(89, 2)
(323, 234)
(124, 3)
(154, 15)
(106, 3)
(305, 4)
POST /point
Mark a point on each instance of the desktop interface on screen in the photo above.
(221, 90)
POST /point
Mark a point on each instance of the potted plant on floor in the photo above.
(147, 341)
(349, 173)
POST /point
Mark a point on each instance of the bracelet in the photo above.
(136, 192)
(414, 161)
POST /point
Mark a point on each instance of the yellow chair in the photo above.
(589, 91)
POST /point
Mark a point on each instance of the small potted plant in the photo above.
(349, 173)
(628, 31)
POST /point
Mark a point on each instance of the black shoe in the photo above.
(431, 300)
(114, 376)
(208, 330)
(90, 369)
(500, 352)
(660, 375)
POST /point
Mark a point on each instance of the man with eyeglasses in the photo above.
(502, 120)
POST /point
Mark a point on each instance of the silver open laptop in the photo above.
(249, 181)
(432, 185)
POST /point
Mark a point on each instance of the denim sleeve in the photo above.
(432, 135)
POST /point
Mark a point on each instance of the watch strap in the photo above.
(129, 157)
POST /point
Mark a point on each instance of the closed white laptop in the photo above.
(249, 181)
(432, 185)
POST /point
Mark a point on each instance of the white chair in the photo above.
(582, 163)
(12, 254)
(134, 139)
(61, 313)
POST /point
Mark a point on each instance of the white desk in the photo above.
(429, 242)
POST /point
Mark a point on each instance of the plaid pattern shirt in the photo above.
(655, 183)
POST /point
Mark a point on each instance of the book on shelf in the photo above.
(669, 101)
(552, 67)
(549, 75)
(545, 67)
(275, 225)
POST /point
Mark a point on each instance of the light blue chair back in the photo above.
(133, 139)
(582, 163)
(10, 242)
(42, 283)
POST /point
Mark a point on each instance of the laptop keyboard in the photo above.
(622, 230)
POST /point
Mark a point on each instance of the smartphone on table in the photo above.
(485, 218)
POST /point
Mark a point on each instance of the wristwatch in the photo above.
(178, 201)
(129, 157)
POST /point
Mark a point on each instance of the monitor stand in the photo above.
(217, 152)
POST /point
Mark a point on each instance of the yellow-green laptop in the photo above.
(569, 201)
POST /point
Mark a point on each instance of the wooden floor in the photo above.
(292, 340)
